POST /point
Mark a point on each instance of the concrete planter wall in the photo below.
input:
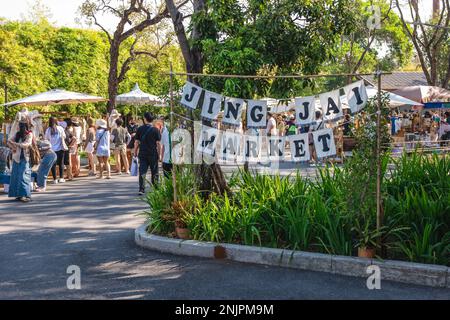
(408, 272)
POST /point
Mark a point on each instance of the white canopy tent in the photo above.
(55, 97)
(137, 97)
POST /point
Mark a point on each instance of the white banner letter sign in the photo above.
(256, 114)
(232, 113)
(276, 148)
(252, 148)
(331, 106)
(208, 140)
(299, 147)
(356, 96)
(191, 95)
(305, 110)
(211, 105)
(324, 143)
(230, 146)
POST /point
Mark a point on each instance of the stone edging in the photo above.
(408, 272)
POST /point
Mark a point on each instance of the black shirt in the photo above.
(148, 136)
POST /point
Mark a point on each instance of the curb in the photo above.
(399, 271)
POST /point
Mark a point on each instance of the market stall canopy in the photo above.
(139, 97)
(424, 94)
(55, 96)
(279, 106)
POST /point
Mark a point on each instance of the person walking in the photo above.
(89, 146)
(132, 129)
(48, 159)
(102, 148)
(120, 137)
(70, 142)
(20, 144)
(74, 154)
(146, 149)
(166, 149)
(56, 135)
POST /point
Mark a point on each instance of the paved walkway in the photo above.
(90, 223)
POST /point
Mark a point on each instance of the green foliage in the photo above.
(36, 57)
(315, 215)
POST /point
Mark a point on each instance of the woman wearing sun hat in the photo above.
(20, 144)
(102, 148)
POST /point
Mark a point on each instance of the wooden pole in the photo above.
(5, 111)
(174, 179)
(378, 158)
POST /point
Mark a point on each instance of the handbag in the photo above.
(134, 171)
(89, 147)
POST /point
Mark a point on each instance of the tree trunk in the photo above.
(212, 178)
(113, 82)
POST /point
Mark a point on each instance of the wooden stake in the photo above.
(378, 197)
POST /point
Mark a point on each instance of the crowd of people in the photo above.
(57, 151)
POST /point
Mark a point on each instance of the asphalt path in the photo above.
(90, 223)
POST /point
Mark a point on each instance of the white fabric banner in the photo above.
(256, 114)
(299, 147)
(305, 111)
(276, 146)
(252, 148)
(232, 113)
(191, 95)
(324, 143)
(212, 103)
(230, 145)
(331, 105)
(208, 140)
(356, 96)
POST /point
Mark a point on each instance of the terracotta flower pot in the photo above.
(364, 252)
(182, 233)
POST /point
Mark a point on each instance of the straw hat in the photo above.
(115, 113)
(101, 123)
(75, 121)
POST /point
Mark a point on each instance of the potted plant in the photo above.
(181, 211)
(367, 237)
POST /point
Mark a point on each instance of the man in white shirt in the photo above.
(166, 149)
(271, 125)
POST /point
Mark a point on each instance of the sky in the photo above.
(64, 12)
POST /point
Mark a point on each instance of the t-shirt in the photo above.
(132, 129)
(120, 136)
(165, 141)
(272, 127)
(148, 136)
(56, 138)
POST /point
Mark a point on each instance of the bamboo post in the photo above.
(5, 111)
(174, 180)
(378, 195)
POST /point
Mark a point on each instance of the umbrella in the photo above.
(55, 96)
(424, 94)
(139, 97)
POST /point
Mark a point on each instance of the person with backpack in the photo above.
(120, 138)
(146, 147)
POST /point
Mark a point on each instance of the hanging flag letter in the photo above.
(276, 148)
(356, 96)
(191, 95)
(230, 146)
(331, 106)
(324, 143)
(208, 140)
(256, 113)
(211, 105)
(305, 110)
(232, 113)
(299, 147)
